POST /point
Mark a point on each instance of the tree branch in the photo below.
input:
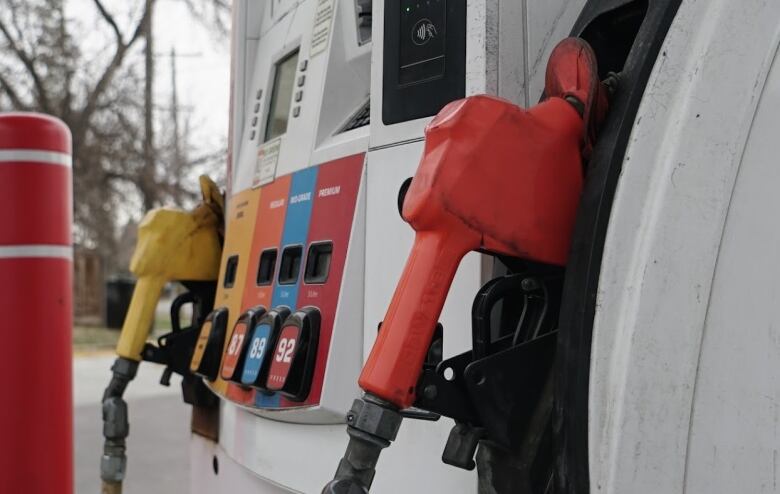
(108, 74)
(12, 94)
(110, 20)
(29, 65)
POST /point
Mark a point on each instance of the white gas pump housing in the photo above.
(685, 355)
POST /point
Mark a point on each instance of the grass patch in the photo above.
(98, 338)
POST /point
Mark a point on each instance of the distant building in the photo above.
(88, 287)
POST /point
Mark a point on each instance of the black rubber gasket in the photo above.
(570, 421)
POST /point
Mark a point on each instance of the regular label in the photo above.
(323, 19)
(267, 158)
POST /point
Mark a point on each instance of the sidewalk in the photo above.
(158, 445)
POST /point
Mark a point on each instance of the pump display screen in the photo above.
(422, 38)
(255, 353)
(281, 96)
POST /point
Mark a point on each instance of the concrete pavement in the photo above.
(158, 446)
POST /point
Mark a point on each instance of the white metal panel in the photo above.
(303, 458)
(663, 240)
(482, 47)
(299, 457)
(547, 23)
(734, 436)
(388, 242)
(229, 476)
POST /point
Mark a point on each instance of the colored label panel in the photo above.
(284, 353)
(269, 224)
(256, 352)
(200, 346)
(335, 199)
(233, 352)
(296, 232)
(240, 219)
(271, 214)
(296, 229)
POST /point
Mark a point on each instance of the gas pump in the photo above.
(327, 126)
(576, 314)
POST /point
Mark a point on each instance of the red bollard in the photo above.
(36, 261)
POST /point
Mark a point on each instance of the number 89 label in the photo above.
(255, 353)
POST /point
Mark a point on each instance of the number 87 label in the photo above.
(233, 351)
(256, 351)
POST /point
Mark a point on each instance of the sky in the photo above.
(203, 70)
(204, 79)
(203, 74)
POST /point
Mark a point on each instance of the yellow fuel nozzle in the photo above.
(172, 245)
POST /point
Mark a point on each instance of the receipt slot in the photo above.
(233, 362)
(295, 355)
(262, 338)
(208, 349)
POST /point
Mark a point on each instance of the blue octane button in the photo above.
(256, 351)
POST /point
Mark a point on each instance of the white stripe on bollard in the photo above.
(27, 155)
(36, 251)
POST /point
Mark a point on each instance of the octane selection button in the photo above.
(262, 340)
(208, 349)
(295, 355)
(233, 361)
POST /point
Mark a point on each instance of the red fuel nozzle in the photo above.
(493, 177)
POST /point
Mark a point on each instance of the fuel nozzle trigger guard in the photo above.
(174, 349)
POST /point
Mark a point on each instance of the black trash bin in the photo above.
(119, 291)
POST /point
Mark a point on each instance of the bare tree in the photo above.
(97, 91)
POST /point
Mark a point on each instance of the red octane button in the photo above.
(234, 350)
(233, 360)
(286, 348)
(295, 354)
